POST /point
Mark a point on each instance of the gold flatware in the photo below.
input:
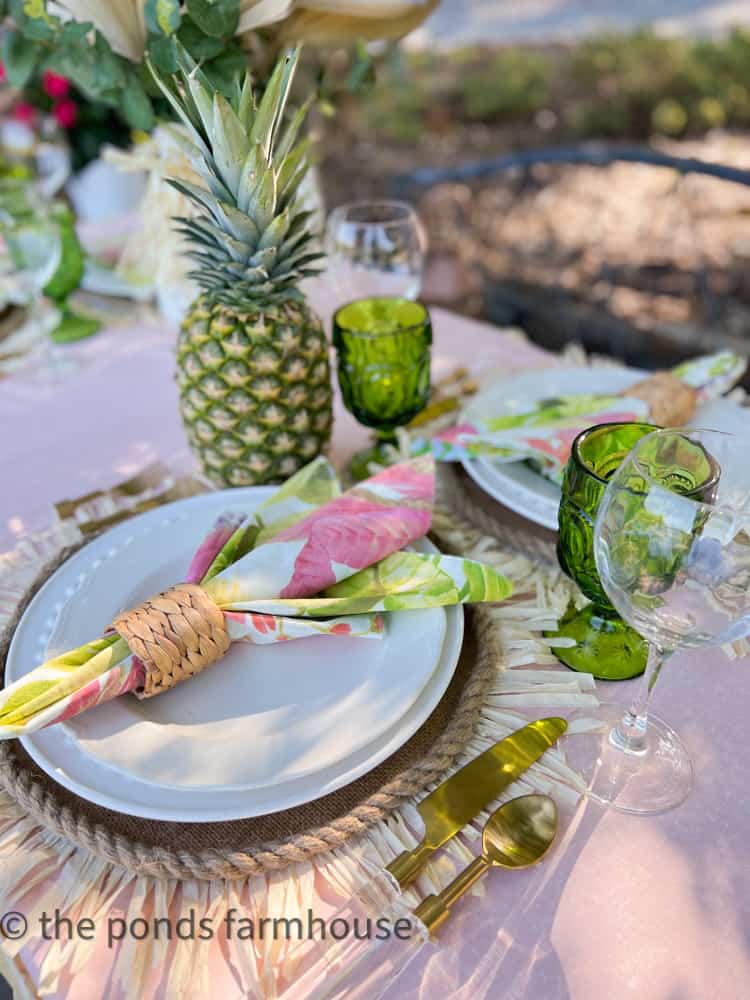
(462, 796)
(517, 835)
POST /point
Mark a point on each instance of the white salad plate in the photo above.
(516, 484)
(269, 727)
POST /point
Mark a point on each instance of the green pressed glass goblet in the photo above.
(605, 646)
(383, 347)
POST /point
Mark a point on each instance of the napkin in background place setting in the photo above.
(545, 432)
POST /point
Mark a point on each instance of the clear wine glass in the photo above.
(672, 549)
(375, 249)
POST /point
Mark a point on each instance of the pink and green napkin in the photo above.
(309, 561)
(544, 433)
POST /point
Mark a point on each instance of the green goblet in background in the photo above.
(383, 347)
(605, 646)
(73, 325)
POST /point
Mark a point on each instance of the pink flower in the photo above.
(212, 545)
(54, 85)
(25, 112)
(414, 479)
(87, 697)
(135, 678)
(66, 112)
(360, 527)
(453, 435)
(559, 445)
(263, 623)
(353, 533)
(235, 616)
(3, 77)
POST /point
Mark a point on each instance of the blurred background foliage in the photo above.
(624, 86)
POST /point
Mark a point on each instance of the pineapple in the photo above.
(252, 357)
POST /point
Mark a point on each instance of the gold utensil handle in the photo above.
(434, 910)
(406, 866)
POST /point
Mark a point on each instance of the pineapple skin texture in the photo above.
(255, 389)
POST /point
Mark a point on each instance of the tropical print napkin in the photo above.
(309, 561)
(545, 432)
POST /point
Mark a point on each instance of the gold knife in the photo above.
(462, 796)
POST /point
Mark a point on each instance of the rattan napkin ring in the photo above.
(175, 635)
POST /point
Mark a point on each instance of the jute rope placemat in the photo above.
(246, 847)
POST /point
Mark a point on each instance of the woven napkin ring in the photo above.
(175, 635)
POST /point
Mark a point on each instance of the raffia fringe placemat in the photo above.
(264, 844)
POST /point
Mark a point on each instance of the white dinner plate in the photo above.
(269, 727)
(61, 757)
(516, 484)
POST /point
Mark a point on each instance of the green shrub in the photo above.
(398, 112)
(640, 81)
(618, 86)
(669, 117)
(513, 84)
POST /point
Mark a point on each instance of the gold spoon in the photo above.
(518, 834)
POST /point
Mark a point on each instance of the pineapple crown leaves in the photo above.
(250, 238)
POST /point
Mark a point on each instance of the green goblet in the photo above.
(605, 646)
(383, 347)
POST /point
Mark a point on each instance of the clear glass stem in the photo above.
(630, 735)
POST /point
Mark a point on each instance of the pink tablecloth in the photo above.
(68, 432)
(626, 908)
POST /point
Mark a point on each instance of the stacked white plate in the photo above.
(516, 484)
(267, 728)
